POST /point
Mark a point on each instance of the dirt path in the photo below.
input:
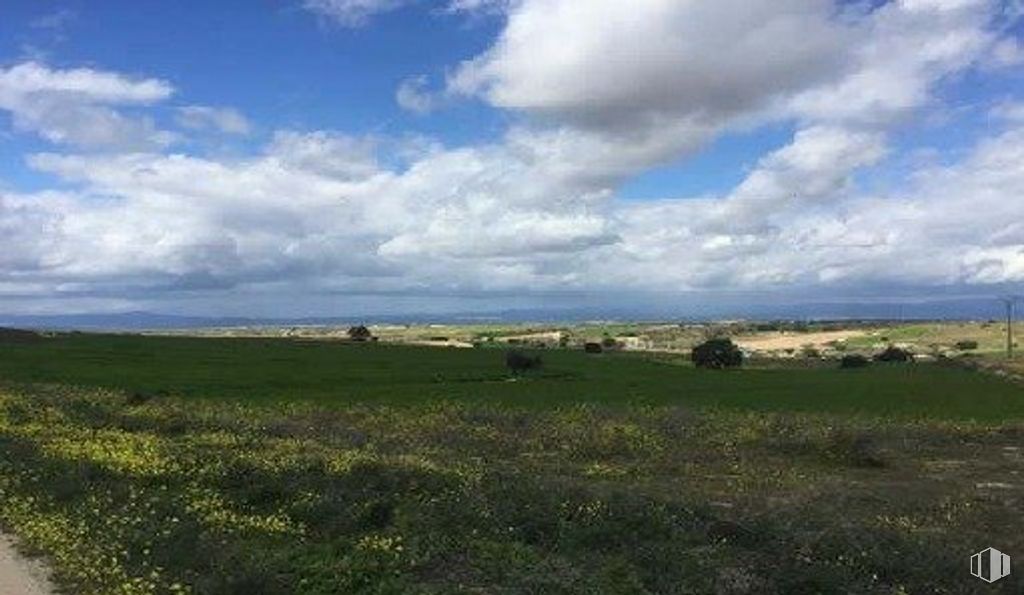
(771, 342)
(19, 576)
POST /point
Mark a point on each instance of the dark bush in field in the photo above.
(853, 360)
(855, 449)
(894, 354)
(593, 348)
(138, 397)
(359, 333)
(717, 354)
(966, 345)
(609, 343)
(13, 335)
(519, 362)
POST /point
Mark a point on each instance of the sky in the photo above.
(295, 158)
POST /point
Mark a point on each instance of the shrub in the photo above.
(853, 360)
(609, 343)
(593, 347)
(855, 449)
(966, 345)
(717, 354)
(359, 333)
(894, 354)
(13, 335)
(519, 362)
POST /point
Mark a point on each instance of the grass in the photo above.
(143, 465)
(182, 496)
(337, 374)
(990, 336)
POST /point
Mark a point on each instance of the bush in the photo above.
(593, 348)
(717, 354)
(359, 333)
(854, 449)
(609, 343)
(13, 335)
(853, 360)
(894, 354)
(966, 345)
(519, 362)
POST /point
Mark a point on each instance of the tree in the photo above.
(717, 354)
(359, 333)
(894, 354)
(853, 360)
(519, 362)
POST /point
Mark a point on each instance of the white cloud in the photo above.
(1008, 110)
(327, 153)
(356, 13)
(351, 13)
(90, 85)
(492, 218)
(412, 95)
(608, 63)
(900, 52)
(223, 119)
(536, 208)
(672, 75)
(481, 6)
(75, 106)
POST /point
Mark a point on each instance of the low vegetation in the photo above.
(854, 360)
(174, 495)
(339, 374)
(894, 354)
(717, 354)
(254, 466)
(359, 333)
(520, 363)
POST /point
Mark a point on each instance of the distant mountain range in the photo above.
(959, 309)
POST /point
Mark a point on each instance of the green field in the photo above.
(338, 374)
(141, 465)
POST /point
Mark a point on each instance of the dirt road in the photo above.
(19, 576)
(777, 341)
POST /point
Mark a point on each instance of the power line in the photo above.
(1009, 301)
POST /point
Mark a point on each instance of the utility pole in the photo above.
(1009, 301)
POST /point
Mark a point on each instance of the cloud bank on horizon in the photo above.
(141, 207)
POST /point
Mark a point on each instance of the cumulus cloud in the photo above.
(227, 120)
(356, 13)
(607, 63)
(536, 208)
(672, 75)
(489, 218)
(351, 13)
(902, 50)
(77, 106)
(413, 95)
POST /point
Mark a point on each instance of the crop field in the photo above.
(337, 374)
(202, 465)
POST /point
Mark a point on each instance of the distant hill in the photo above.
(947, 309)
(119, 321)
